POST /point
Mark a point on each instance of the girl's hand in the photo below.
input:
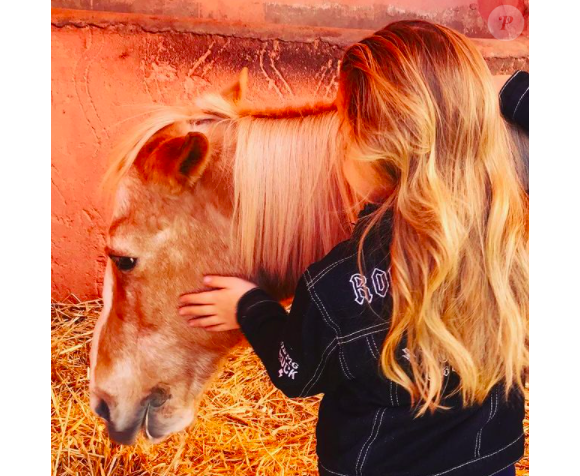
(215, 310)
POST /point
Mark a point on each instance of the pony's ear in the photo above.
(176, 161)
(237, 91)
(194, 153)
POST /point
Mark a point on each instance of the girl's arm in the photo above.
(299, 349)
(514, 97)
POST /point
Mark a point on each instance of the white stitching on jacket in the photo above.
(321, 307)
(494, 403)
(344, 366)
(331, 266)
(370, 333)
(323, 361)
(448, 470)
(381, 326)
(505, 467)
(329, 321)
(456, 467)
(370, 346)
(476, 450)
(478, 459)
(520, 100)
(375, 346)
(373, 440)
(356, 466)
(259, 302)
(330, 470)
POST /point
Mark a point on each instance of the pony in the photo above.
(215, 187)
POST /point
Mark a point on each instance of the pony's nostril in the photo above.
(159, 396)
(103, 410)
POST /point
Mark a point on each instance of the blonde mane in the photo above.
(290, 202)
(290, 208)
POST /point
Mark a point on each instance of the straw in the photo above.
(244, 425)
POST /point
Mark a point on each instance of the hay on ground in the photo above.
(244, 426)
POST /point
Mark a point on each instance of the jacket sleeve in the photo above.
(299, 349)
(515, 99)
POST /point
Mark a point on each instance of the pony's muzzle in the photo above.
(129, 432)
(126, 436)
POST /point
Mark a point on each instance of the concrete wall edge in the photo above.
(342, 37)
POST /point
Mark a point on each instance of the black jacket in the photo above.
(514, 99)
(330, 343)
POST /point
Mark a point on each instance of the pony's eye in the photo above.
(124, 263)
(201, 122)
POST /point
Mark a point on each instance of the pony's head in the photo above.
(206, 189)
(171, 223)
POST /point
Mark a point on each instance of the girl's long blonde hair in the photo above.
(424, 118)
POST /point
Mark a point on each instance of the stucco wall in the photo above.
(106, 68)
(462, 15)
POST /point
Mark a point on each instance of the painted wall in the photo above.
(463, 15)
(108, 67)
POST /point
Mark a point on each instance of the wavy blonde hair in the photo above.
(424, 118)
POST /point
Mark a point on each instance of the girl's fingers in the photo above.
(197, 311)
(207, 297)
(205, 322)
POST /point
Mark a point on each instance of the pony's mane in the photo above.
(290, 202)
(289, 112)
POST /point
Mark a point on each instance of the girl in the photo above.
(415, 329)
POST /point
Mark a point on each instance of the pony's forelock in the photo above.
(160, 117)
